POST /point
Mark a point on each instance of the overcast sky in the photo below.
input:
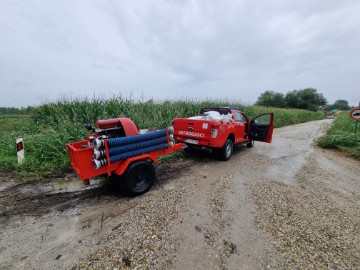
(177, 49)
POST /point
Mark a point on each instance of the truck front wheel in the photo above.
(250, 144)
(138, 178)
(227, 150)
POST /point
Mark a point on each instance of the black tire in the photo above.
(250, 144)
(227, 150)
(138, 178)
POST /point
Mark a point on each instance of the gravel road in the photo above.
(285, 205)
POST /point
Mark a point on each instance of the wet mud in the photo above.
(52, 225)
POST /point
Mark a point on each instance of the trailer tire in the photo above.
(227, 150)
(138, 178)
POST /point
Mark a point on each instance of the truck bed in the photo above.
(200, 130)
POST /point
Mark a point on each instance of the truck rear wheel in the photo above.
(227, 150)
(138, 178)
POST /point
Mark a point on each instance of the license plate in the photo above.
(192, 141)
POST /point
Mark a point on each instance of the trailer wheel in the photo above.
(138, 178)
(227, 150)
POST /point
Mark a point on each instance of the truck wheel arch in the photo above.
(231, 137)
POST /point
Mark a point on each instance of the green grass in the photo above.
(341, 135)
(10, 122)
(53, 125)
(9, 132)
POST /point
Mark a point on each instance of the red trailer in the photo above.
(116, 148)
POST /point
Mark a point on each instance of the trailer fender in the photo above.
(126, 163)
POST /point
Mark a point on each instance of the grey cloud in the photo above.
(163, 49)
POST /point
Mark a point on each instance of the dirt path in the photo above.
(276, 206)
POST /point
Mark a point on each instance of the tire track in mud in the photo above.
(53, 225)
(45, 228)
(30, 199)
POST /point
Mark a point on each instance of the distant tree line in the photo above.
(13, 110)
(340, 104)
(307, 99)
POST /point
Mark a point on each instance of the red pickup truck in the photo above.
(219, 129)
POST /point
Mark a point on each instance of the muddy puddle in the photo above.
(290, 149)
(54, 224)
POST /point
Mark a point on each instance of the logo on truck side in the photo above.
(193, 134)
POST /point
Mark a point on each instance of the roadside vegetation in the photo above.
(341, 135)
(51, 126)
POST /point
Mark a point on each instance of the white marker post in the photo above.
(20, 150)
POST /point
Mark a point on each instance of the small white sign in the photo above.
(205, 125)
(20, 149)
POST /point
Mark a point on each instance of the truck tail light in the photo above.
(214, 132)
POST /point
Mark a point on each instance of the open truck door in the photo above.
(261, 127)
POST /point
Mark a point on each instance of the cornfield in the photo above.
(53, 125)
